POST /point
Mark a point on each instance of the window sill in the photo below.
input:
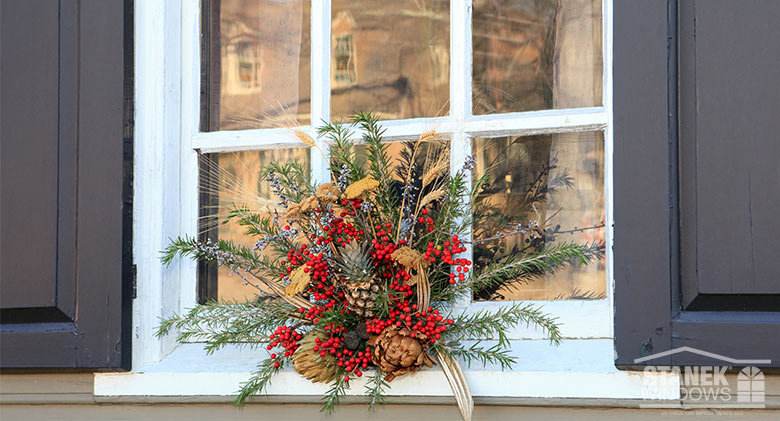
(579, 369)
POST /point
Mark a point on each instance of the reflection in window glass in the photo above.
(234, 179)
(390, 57)
(264, 76)
(536, 55)
(557, 180)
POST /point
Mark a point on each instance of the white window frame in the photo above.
(168, 71)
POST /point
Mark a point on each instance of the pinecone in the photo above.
(355, 268)
(398, 350)
(310, 364)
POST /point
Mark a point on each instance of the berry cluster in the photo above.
(447, 253)
(351, 361)
(383, 247)
(352, 206)
(340, 232)
(287, 338)
(426, 220)
(430, 322)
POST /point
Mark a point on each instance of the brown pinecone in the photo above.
(355, 268)
(397, 352)
(310, 364)
(361, 298)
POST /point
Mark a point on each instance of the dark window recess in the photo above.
(208, 164)
(697, 180)
(66, 146)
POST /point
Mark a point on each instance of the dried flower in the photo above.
(327, 193)
(293, 211)
(409, 257)
(399, 351)
(309, 204)
(360, 187)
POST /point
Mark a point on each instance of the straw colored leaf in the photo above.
(299, 280)
(458, 384)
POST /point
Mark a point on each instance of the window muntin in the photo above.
(460, 126)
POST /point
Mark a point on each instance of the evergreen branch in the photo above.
(220, 324)
(486, 324)
(337, 391)
(376, 388)
(342, 151)
(210, 252)
(260, 379)
(495, 354)
(379, 165)
(294, 180)
(267, 228)
(513, 269)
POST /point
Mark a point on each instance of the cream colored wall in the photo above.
(69, 397)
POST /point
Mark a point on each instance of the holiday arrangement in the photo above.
(361, 276)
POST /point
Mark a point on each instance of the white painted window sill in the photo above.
(578, 368)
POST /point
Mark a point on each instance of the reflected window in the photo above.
(536, 55)
(402, 51)
(552, 185)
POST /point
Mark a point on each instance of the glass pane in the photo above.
(390, 57)
(264, 76)
(536, 55)
(557, 180)
(235, 180)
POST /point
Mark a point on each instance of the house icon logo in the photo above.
(750, 385)
(709, 386)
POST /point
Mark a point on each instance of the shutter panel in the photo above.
(697, 180)
(61, 185)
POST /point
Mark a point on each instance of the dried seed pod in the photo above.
(312, 364)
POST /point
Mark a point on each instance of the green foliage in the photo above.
(258, 225)
(379, 166)
(495, 354)
(333, 396)
(260, 379)
(295, 180)
(495, 325)
(342, 151)
(514, 269)
(191, 247)
(220, 324)
(376, 388)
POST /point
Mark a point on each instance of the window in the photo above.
(172, 133)
(519, 84)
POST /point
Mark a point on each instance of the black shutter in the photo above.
(64, 182)
(697, 180)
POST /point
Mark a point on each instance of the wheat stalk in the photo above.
(432, 197)
(308, 141)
